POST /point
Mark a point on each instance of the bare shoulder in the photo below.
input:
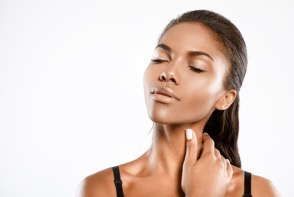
(260, 186)
(263, 187)
(98, 184)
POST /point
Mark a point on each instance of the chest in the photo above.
(155, 187)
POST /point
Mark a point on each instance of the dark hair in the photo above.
(223, 126)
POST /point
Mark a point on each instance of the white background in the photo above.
(71, 93)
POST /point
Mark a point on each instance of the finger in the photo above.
(229, 169)
(224, 162)
(191, 147)
(217, 154)
(208, 145)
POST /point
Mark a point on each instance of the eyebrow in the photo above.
(191, 53)
(164, 47)
(196, 53)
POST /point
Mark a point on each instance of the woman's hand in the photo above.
(208, 176)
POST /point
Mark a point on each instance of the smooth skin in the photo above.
(183, 85)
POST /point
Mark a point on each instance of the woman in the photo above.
(191, 91)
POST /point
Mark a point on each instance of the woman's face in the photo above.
(184, 80)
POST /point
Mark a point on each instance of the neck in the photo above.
(167, 152)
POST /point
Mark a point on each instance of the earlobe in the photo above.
(226, 100)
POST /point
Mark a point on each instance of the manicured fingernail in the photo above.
(189, 134)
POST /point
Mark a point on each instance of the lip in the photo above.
(164, 94)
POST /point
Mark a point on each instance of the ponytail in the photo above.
(223, 127)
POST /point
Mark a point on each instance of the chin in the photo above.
(176, 118)
(162, 117)
(164, 120)
(168, 119)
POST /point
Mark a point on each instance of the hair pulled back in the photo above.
(223, 126)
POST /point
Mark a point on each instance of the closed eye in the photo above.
(158, 60)
(197, 70)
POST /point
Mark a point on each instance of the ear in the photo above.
(226, 100)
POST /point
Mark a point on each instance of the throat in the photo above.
(167, 152)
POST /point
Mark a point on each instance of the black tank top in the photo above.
(120, 193)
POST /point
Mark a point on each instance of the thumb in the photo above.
(191, 148)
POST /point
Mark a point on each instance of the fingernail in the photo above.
(189, 134)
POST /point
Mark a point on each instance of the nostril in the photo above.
(162, 78)
(165, 77)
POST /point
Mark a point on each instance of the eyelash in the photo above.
(158, 60)
(197, 70)
(194, 69)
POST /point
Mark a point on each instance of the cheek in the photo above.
(200, 99)
(149, 79)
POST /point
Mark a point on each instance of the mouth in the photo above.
(164, 94)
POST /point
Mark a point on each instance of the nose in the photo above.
(169, 74)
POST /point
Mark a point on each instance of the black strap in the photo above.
(247, 184)
(117, 182)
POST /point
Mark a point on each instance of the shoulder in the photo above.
(98, 184)
(102, 184)
(262, 186)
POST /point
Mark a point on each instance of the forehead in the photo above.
(193, 37)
